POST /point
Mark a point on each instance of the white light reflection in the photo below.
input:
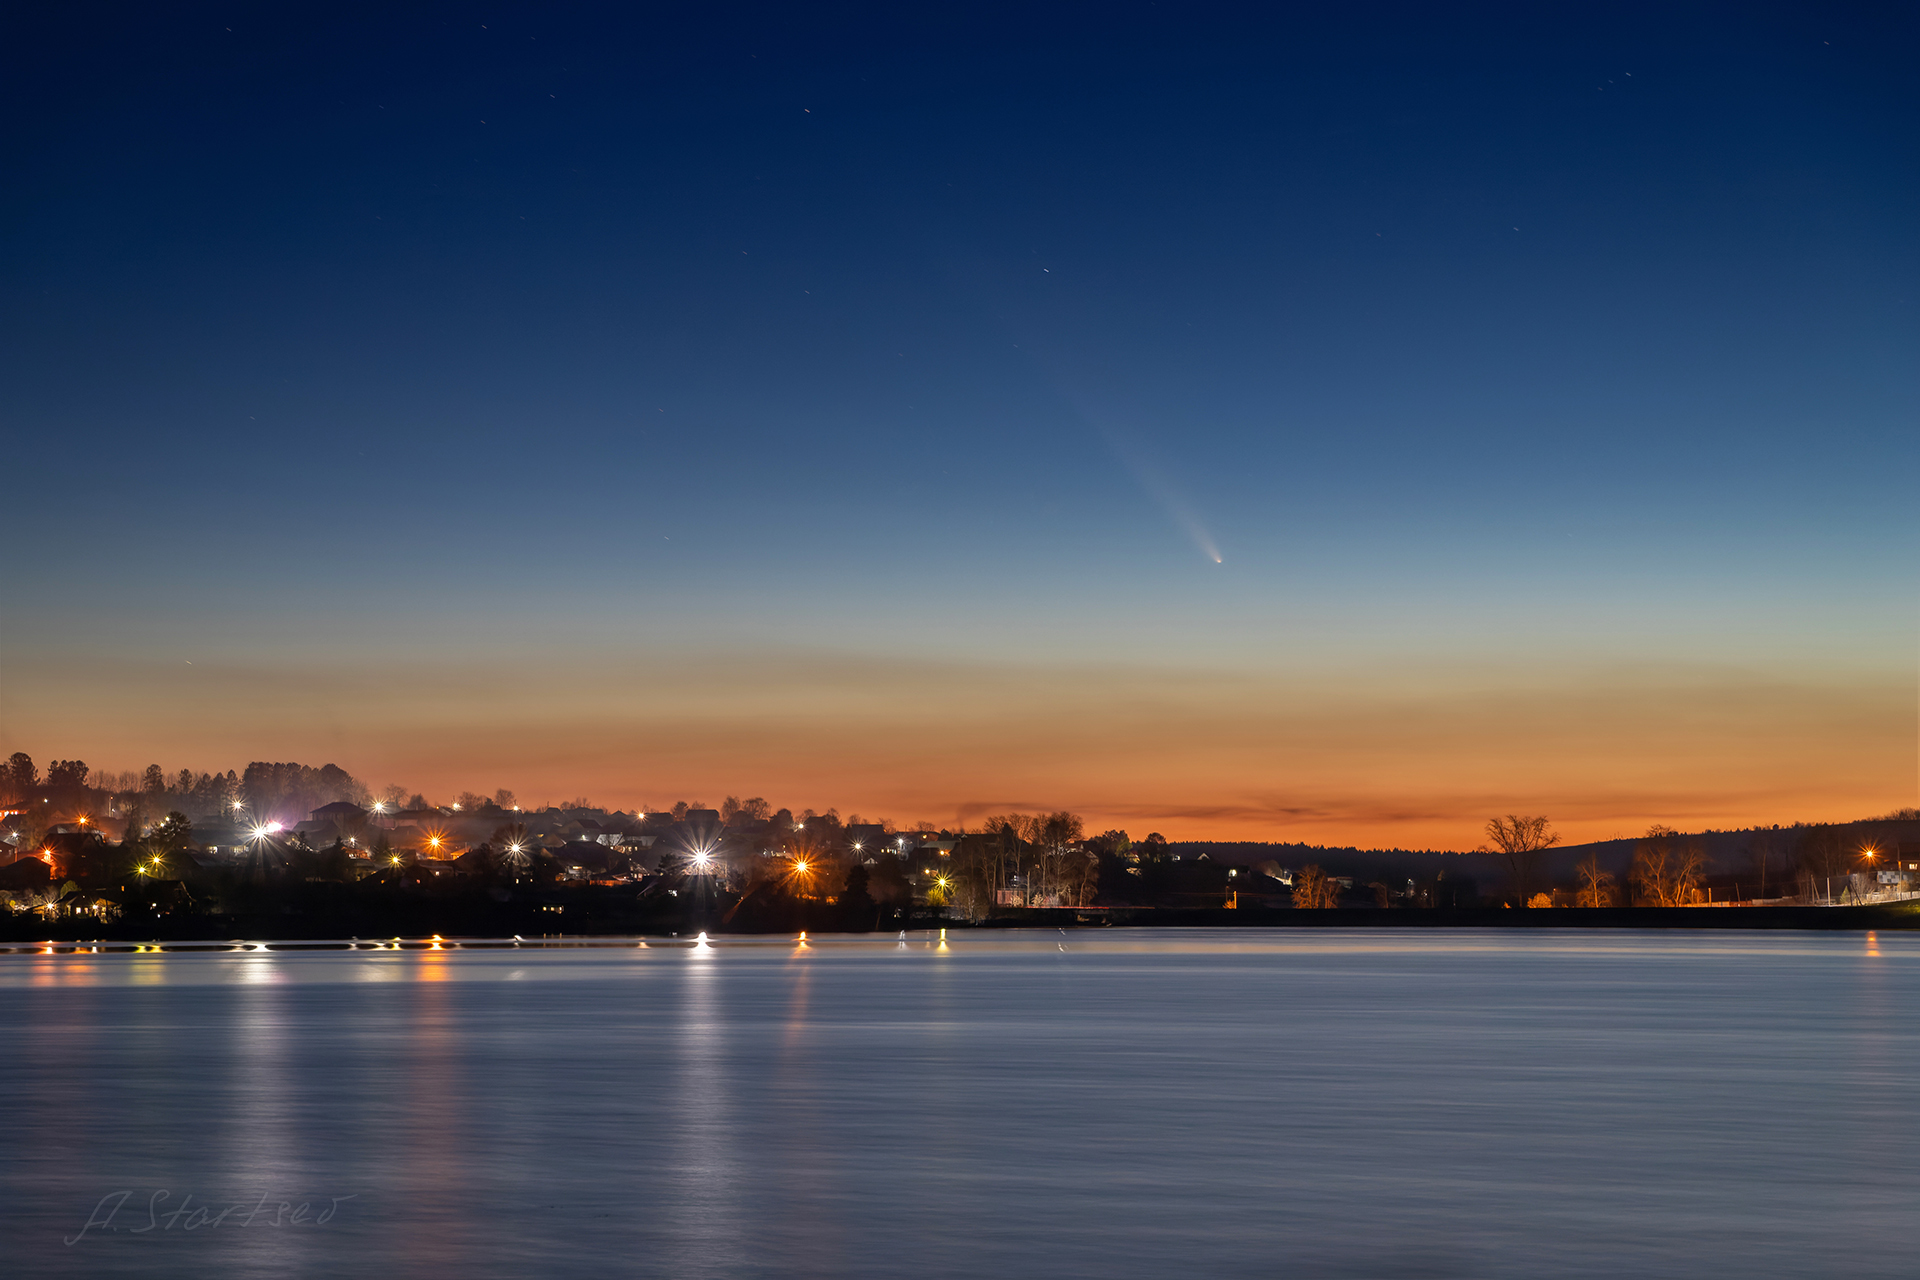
(695, 1211)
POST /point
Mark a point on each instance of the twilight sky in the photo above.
(1336, 425)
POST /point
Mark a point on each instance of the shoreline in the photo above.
(231, 932)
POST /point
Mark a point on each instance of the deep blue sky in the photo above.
(339, 344)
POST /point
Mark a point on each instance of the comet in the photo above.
(1153, 482)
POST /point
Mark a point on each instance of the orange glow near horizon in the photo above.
(1371, 757)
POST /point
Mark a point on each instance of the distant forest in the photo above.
(1748, 858)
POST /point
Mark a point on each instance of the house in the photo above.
(73, 853)
(589, 859)
(31, 872)
(475, 861)
(164, 895)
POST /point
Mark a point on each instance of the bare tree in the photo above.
(1666, 874)
(1081, 876)
(975, 875)
(1596, 886)
(1522, 840)
(1053, 837)
(1314, 889)
(1823, 859)
(1760, 854)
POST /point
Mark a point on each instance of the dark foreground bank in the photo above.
(619, 916)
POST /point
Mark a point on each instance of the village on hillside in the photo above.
(75, 844)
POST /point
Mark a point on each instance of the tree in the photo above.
(856, 904)
(504, 798)
(171, 834)
(1080, 876)
(1314, 889)
(1666, 875)
(1522, 840)
(978, 873)
(1596, 886)
(394, 796)
(22, 776)
(887, 883)
(67, 774)
(1823, 859)
(153, 781)
(1760, 854)
(1050, 839)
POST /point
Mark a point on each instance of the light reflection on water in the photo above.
(1114, 1102)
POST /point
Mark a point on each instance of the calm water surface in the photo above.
(1101, 1103)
